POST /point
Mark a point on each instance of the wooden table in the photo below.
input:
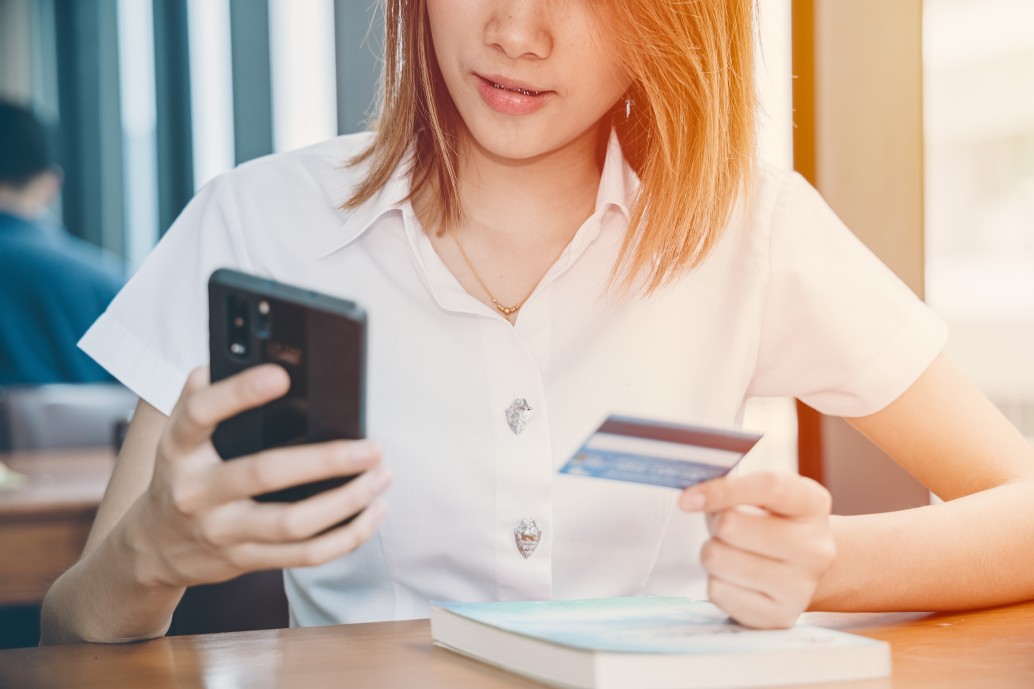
(990, 649)
(44, 524)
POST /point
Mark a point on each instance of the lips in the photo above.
(511, 97)
(526, 92)
(505, 84)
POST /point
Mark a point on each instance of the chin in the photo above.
(520, 142)
(513, 150)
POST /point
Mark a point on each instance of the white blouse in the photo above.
(789, 304)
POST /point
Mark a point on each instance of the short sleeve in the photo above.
(156, 329)
(840, 330)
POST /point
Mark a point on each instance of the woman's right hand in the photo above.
(197, 522)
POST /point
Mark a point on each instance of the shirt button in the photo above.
(517, 415)
(527, 536)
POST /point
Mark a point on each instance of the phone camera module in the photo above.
(264, 322)
(238, 326)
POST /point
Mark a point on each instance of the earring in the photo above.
(628, 108)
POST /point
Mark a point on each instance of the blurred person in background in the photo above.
(52, 285)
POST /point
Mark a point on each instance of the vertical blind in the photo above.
(156, 97)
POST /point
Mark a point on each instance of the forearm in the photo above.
(102, 599)
(972, 552)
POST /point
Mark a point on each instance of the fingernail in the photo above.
(364, 450)
(381, 479)
(267, 380)
(261, 383)
(692, 502)
(377, 510)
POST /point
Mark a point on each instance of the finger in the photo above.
(750, 608)
(287, 523)
(314, 551)
(762, 533)
(284, 467)
(202, 406)
(782, 493)
(771, 578)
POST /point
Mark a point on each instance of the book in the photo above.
(649, 643)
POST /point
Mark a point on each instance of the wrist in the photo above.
(136, 541)
(841, 584)
(121, 605)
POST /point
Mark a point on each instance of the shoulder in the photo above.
(274, 211)
(324, 165)
(305, 187)
(772, 194)
(782, 229)
(51, 251)
(92, 263)
(331, 151)
(764, 203)
(780, 208)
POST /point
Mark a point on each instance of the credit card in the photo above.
(658, 453)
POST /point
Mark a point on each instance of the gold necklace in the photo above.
(505, 310)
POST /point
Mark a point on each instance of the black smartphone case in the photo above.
(319, 340)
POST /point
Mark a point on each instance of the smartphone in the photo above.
(318, 339)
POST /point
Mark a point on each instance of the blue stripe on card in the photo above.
(654, 471)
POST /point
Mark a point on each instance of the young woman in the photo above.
(558, 217)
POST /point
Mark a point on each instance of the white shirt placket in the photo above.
(523, 463)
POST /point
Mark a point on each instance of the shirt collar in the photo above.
(618, 181)
(391, 197)
(618, 185)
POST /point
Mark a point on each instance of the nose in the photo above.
(520, 28)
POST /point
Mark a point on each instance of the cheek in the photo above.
(600, 87)
(438, 13)
(448, 27)
(599, 70)
(611, 72)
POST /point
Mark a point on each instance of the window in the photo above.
(979, 125)
(775, 417)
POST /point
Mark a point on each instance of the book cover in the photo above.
(649, 643)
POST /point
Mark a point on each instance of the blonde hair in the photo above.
(689, 132)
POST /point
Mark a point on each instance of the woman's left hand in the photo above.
(770, 543)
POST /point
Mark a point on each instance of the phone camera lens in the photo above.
(264, 322)
(238, 326)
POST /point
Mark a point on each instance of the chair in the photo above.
(250, 602)
(62, 415)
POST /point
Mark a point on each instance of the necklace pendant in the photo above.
(505, 310)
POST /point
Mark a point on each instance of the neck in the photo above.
(518, 215)
(22, 202)
(540, 201)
